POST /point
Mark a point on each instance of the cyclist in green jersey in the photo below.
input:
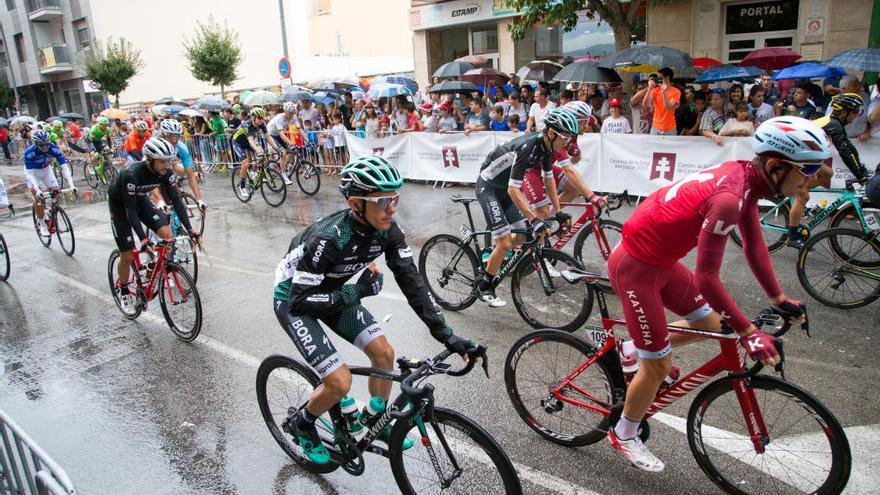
(57, 137)
(97, 135)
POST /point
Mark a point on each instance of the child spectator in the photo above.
(615, 123)
(514, 123)
(739, 125)
(447, 121)
(337, 133)
(498, 123)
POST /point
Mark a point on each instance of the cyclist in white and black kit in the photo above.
(277, 129)
(310, 287)
(498, 189)
(130, 205)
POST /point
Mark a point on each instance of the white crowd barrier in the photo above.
(609, 163)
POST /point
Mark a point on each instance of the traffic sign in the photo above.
(284, 67)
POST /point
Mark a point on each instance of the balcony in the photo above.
(43, 10)
(54, 59)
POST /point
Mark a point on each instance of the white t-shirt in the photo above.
(338, 134)
(278, 124)
(733, 125)
(311, 115)
(538, 113)
(448, 123)
(620, 125)
(521, 111)
(430, 122)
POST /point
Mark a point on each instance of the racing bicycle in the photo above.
(103, 171)
(451, 268)
(607, 233)
(298, 168)
(185, 255)
(157, 275)
(5, 264)
(263, 176)
(454, 454)
(57, 220)
(570, 391)
(841, 267)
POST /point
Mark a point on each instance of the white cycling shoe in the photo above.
(487, 295)
(636, 453)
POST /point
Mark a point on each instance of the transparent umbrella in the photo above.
(261, 98)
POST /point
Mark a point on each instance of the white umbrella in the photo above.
(192, 112)
(21, 118)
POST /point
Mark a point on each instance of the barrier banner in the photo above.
(449, 157)
(395, 148)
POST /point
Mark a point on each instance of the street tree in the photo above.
(113, 65)
(619, 14)
(7, 95)
(214, 54)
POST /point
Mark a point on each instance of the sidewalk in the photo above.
(13, 176)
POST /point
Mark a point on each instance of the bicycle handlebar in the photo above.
(768, 317)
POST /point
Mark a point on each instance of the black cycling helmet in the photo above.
(847, 101)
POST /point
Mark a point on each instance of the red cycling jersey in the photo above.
(700, 210)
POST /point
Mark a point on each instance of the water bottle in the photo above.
(374, 408)
(485, 254)
(350, 413)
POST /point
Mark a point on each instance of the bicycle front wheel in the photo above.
(550, 301)
(456, 456)
(450, 271)
(45, 240)
(838, 268)
(806, 449)
(308, 178)
(273, 188)
(64, 231)
(180, 302)
(5, 264)
(90, 175)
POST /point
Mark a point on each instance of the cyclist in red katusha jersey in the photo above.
(699, 211)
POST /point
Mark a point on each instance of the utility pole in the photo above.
(283, 28)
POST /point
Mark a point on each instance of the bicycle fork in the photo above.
(445, 482)
(752, 415)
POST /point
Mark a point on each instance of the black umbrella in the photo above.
(71, 116)
(538, 70)
(647, 59)
(689, 74)
(587, 72)
(451, 87)
(52, 119)
(456, 68)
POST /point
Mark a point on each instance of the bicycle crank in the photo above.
(354, 464)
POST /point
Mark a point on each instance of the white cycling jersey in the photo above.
(279, 124)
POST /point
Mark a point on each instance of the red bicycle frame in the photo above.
(588, 217)
(150, 287)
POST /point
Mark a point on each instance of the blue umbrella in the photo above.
(326, 97)
(863, 59)
(808, 70)
(728, 73)
(405, 81)
(170, 108)
(387, 91)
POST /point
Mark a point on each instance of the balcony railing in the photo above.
(54, 58)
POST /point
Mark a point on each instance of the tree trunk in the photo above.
(116, 98)
(222, 91)
(622, 41)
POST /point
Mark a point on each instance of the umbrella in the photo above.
(587, 72)
(347, 83)
(647, 59)
(860, 59)
(688, 74)
(456, 68)
(358, 94)
(210, 103)
(452, 87)
(71, 116)
(261, 98)
(115, 113)
(170, 100)
(483, 76)
(387, 91)
(170, 108)
(705, 62)
(296, 94)
(473, 59)
(538, 70)
(807, 71)
(326, 97)
(770, 58)
(53, 119)
(26, 119)
(192, 113)
(406, 81)
(729, 73)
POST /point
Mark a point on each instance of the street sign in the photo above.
(284, 67)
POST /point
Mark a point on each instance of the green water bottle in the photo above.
(350, 412)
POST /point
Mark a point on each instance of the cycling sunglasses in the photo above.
(806, 169)
(384, 202)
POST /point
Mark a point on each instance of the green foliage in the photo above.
(214, 53)
(7, 96)
(113, 65)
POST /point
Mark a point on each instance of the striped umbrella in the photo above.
(405, 81)
(387, 91)
(860, 59)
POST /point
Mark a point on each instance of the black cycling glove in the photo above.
(538, 226)
(459, 345)
(789, 308)
(369, 284)
(563, 217)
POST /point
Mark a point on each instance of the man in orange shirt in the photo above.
(134, 143)
(664, 99)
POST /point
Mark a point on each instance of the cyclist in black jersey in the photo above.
(504, 204)
(310, 287)
(130, 205)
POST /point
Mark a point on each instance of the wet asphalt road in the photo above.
(125, 407)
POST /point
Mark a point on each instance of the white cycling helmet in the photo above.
(159, 149)
(581, 109)
(793, 139)
(170, 126)
(289, 107)
(141, 125)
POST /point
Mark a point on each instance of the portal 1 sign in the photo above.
(760, 17)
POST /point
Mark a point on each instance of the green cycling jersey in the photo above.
(97, 134)
(56, 135)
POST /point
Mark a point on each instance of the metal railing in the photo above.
(25, 468)
(53, 55)
(33, 5)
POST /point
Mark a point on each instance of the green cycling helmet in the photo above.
(103, 121)
(563, 121)
(368, 174)
(57, 124)
(258, 112)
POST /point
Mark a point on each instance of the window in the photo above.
(10, 4)
(19, 46)
(484, 40)
(83, 37)
(548, 42)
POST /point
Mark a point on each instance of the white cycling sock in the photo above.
(626, 429)
(628, 348)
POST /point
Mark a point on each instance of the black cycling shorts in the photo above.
(355, 324)
(500, 211)
(99, 145)
(148, 214)
(241, 149)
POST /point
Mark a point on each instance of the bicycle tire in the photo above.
(186, 256)
(482, 477)
(64, 225)
(193, 212)
(705, 444)
(180, 278)
(5, 262)
(111, 262)
(594, 261)
(283, 438)
(541, 310)
(438, 276)
(306, 171)
(774, 239)
(838, 220)
(850, 288)
(540, 411)
(273, 182)
(247, 183)
(44, 240)
(90, 175)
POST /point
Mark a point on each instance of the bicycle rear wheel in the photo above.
(90, 175)
(64, 231)
(113, 276)
(273, 188)
(244, 198)
(450, 271)
(770, 227)
(838, 268)
(180, 302)
(552, 302)
(5, 264)
(308, 177)
(45, 240)
(806, 450)
(284, 386)
(537, 363)
(470, 460)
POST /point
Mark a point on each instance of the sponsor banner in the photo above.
(395, 148)
(449, 157)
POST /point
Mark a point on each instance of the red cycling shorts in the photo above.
(644, 291)
(533, 185)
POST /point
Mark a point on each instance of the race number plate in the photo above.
(465, 232)
(871, 220)
(597, 335)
